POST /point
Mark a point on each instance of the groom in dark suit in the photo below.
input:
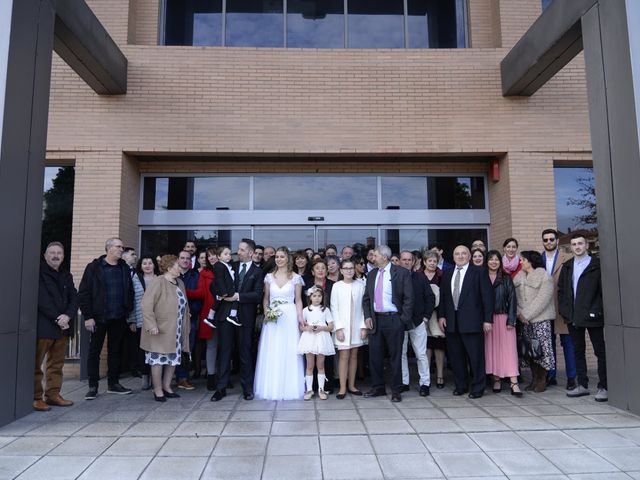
(388, 309)
(249, 285)
(465, 312)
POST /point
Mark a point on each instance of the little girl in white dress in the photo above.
(316, 342)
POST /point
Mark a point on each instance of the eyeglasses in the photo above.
(361, 263)
(347, 268)
(548, 240)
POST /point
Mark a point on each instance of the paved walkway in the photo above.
(541, 436)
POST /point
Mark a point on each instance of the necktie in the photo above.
(243, 272)
(378, 293)
(456, 287)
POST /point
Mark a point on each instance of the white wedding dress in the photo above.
(279, 370)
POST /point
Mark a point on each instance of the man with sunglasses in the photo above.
(553, 258)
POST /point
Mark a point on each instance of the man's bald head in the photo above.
(461, 255)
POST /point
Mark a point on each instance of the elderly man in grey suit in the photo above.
(388, 308)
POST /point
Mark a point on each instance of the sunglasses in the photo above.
(548, 240)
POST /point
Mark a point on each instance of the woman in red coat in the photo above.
(205, 332)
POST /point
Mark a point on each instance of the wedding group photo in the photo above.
(320, 239)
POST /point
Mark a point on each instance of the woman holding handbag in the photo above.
(536, 311)
(435, 336)
(500, 344)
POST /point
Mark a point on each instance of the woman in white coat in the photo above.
(349, 328)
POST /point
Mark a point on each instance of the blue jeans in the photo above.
(569, 356)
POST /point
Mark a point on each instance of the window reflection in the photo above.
(193, 22)
(450, 238)
(404, 192)
(399, 239)
(575, 198)
(196, 193)
(315, 23)
(341, 237)
(431, 24)
(377, 24)
(160, 242)
(315, 193)
(294, 239)
(255, 23)
(456, 192)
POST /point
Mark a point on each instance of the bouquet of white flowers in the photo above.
(273, 313)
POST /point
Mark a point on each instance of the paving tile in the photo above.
(634, 475)
(188, 447)
(166, 416)
(514, 462)
(6, 440)
(570, 421)
(539, 477)
(17, 428)
(499, 441)
(208, 416)
(256, 405)
(625, 458)
(526, 423)
(578, 461)
(295, 405)
(124, 416)
(12, 466)
(449, 442)
(481, 424)
(388, 426)
(54, 468)
(335, 415)
(423, 413)
(613, 420)
(347, 427)
(548, 439)
(106, 429)
(350, 467)
(234, 468)
(135, 446)
(465, 464)
(465, 412)
(380, 414)
(600, 438)
(246, 428)
(632, 434)
(304, 415)
(294, 428)
(389, 444)
(437, 425)
(253, 416)
(541, 410)
(57, 428)
(122, 468)
(601, 476)
(409, 466)
(591, 408)
(292, 445)
(345, 444)
(186, 429)
(240, 446)
(292, 467)
(171, 468)
(151, 429)
(511, 411)
(89, 446)
(31, 446)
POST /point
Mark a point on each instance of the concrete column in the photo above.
(25, 71)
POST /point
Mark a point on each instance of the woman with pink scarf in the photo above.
(510, 257)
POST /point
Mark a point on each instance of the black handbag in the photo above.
(529, 348)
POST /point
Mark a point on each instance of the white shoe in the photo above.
(602, 395)
(308, 395)
(579, 391)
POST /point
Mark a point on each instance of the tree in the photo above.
(57, 214)
(586, 201)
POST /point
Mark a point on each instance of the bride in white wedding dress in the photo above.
(279, 370)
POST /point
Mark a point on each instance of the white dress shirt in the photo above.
(579, 266)
(387, 292)
(463, 271)
(550, 261)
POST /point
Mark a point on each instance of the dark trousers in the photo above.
(463, 348)
(130, 346)
(228, 337)
(115, 329)
(389, 331)
(596, 335)
(142, 365)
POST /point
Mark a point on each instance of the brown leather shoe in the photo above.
(41, 406)
(58, 401)
(186, 385)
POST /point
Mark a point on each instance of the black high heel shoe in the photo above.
(440, 382)
(340, 396)
(170, 394)
(159, 399)
(357, 393)
(513, 392)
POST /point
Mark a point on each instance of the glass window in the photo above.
(160, 242)
(359, 238)
(193, 22)
(315, 23)
(196, 193)
(399, 239)
(255, 23)
(546, 3)
(301, 192)
(293, 239)
(575, 199)
(450, 238)
(57, 208)
(404, 193)
(456, 192)
(432, 24)
(377, 24)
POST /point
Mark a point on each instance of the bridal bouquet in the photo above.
(274, 312)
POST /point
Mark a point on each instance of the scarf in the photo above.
(512, 265)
